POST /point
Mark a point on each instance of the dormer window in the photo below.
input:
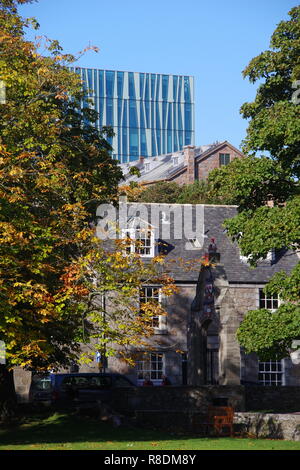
(142, 241)
(195, 243)
(175, 161)
(147, 166)
(270, 257)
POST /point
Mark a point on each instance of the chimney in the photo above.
(141, 160)
(189, 160)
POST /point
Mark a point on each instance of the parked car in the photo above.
(75, 389)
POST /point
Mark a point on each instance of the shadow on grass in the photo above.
(57, 428)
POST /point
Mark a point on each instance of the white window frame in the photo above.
(132, 234)
(155, 374)
(268, 297)
(161, 328)
(268, 364)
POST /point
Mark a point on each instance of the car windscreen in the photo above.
(91, 383)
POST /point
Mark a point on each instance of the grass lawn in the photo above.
(70, 432)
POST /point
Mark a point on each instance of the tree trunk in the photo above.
(8, 399)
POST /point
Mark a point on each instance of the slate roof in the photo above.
(161, 166)
(237, 271)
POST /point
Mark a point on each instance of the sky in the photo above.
(210, 40)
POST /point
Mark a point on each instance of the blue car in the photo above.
(75, 388)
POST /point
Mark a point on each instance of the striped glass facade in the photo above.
(151, 114)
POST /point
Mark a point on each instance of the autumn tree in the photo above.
(266, 189)
(170, 192)
(55, 169)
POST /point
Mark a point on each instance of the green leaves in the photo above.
(270, 334)
(266, 190)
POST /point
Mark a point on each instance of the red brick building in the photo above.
(183, 167)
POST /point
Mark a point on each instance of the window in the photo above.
(224, 158)
(195, 243)
(270, 372)
(143, 241)
(152, 366)
(212, 359)
(152, 294)
(269, 301)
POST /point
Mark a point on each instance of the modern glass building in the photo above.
(151, 114)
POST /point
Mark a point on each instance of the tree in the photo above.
(163, 191)
(167, 192)
(55, 169)
(267, 189)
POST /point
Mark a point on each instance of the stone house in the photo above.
(195, 344)
(182, 167)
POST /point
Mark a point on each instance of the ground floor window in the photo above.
(151, 366)
(270, 372)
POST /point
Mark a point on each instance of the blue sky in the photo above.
(211, 40)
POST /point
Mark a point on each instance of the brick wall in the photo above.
(203, 167)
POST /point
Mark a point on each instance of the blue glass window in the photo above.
(118, 133)
(175, 86)
(187, 91)
(179, 88)
(187, 138)
(147, 109)
(143, 143)
(131, 85)
(90, 82)
(154, 152)
(175, 141)
(188, 116)
(147, 97)
(157, 116)
(101, 110)
(152, 86)
(109, 112)
(133, 122)
(142, 117)
(169, 141)
(158, 136)
(120, 84)
(180, 137)
(101, 83)
(124, 123)
(169, 116)
(157, 87)
(164, 115)
(174, 116)
(133, 142)
(152, 115)
(120, 102)
(142, 79)
(110, 77)
(180, 126)
(165, 86)
(124, 142)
